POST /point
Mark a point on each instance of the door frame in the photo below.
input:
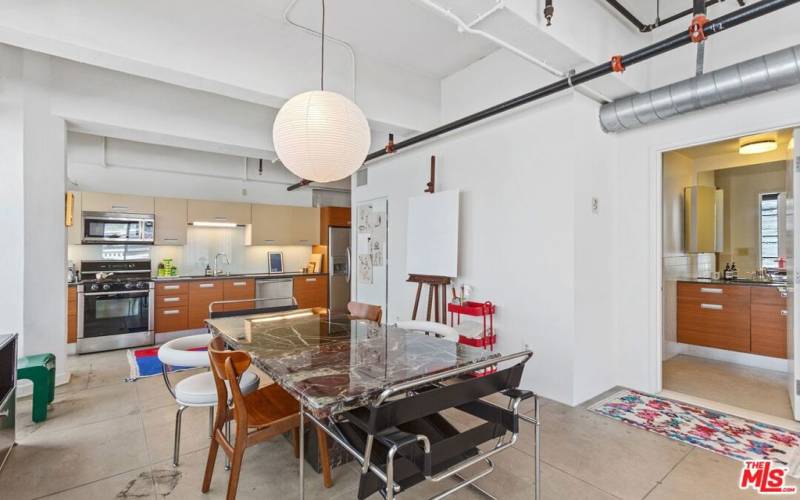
(655, 348)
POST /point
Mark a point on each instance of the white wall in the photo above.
(529, 242)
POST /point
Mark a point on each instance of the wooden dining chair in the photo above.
(268, 412)
(359, 310)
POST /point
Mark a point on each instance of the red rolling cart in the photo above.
(487, 337)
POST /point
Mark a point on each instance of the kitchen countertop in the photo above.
(220, 277)
(744, 282)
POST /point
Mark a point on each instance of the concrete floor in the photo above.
(109, 439)
(754, 389)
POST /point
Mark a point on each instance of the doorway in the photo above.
(727, 249)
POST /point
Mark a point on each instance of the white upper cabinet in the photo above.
(219, 211)
(171, 221)
(124, 203)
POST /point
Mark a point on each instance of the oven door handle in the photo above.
(143, 293)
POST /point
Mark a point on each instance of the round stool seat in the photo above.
(199, 390)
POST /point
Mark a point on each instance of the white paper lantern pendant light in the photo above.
(320, 135)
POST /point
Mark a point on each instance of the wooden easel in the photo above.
(436, 284)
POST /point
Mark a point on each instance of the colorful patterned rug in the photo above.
(728, 435)
(144, 363)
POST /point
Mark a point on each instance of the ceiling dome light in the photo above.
(757, 147)
(321, 136)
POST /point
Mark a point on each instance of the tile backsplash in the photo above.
(202, 244)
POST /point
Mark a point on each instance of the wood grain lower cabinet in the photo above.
(239, 289)
(768, 311)
(72, 314)
(733, 317)
(201, 294)
(171, 319)
(311, 291)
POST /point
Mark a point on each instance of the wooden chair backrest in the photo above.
(228, 366)
(359, 310)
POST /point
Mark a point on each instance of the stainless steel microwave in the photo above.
(112, 227)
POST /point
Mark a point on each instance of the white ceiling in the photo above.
(403, 33)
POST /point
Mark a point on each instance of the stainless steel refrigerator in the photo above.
(338, 269)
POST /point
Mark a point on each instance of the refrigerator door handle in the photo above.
(348, 264)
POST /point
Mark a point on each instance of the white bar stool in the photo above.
(197, 390)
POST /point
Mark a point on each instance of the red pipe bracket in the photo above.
(616, 64)
(696, 32)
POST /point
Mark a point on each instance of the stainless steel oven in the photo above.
(112, 227)
(117, 311)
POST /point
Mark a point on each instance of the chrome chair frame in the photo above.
(392, 488)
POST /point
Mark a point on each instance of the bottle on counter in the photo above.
(208, 270)
(161, 270)
(726, 274)
(734, 271)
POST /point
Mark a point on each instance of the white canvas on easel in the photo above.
(432, 236)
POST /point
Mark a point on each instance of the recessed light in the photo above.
(757, 147)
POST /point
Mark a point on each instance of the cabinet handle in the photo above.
(713, 307)
(784, 292)
(269, 241)
(311, 280)
(784, 312)
(172, 287)
(206, 285)
(711, 290)
(172, 299)
(220, 218)
(239, 283)
(304, 241)
(119, 207)
(170, 239)
(170, 312)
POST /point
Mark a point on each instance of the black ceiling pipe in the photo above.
(712, 27)
(644, 28)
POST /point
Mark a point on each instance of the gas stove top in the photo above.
(116, 276)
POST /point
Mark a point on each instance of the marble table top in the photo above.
(333, 364)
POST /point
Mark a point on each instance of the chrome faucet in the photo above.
(217, 270)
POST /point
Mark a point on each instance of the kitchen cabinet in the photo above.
(733, 317)
(239, 289)
(171, 220)
(219, 211)
(72, 314)
(172, 306)
(73, 219)
(201, 294)
(332, 216)
(283, 225)
(124, 203)
(311, 291)
(768, 310)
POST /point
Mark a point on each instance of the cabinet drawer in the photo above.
(244, 288)
(172, 288)
(171, 319)
(768, 295)
(714, 323)
(311, 291)
(171, 301)
(718, 294)
(205, 291)
(768, 329)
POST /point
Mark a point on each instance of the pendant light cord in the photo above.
(322, 59)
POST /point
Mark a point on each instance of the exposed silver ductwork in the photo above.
(756, 76)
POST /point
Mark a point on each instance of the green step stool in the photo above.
(41, 370)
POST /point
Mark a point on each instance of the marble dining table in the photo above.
(334, 363)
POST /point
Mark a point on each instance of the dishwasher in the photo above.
(275, 292)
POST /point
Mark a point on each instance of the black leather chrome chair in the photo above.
(402, 441)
